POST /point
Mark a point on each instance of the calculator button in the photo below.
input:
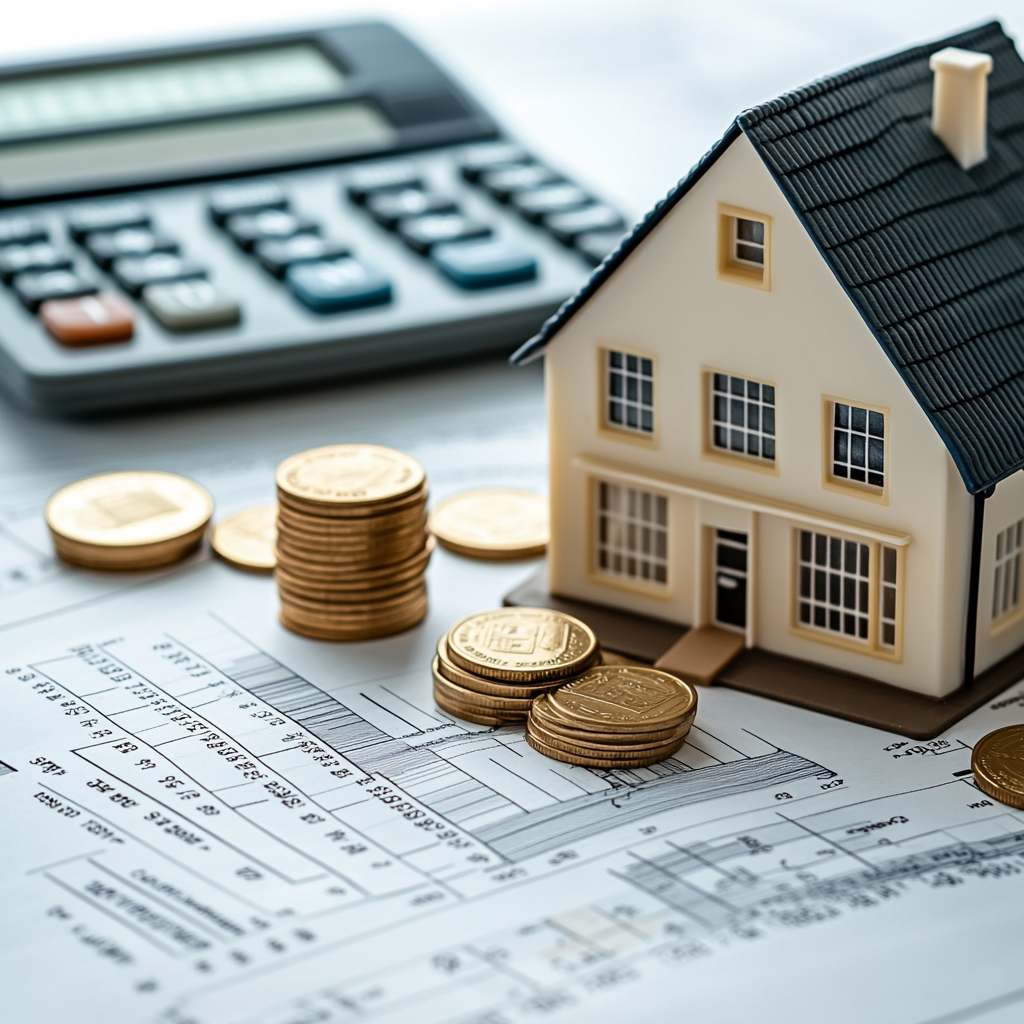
(539, 203)
(89, 320)
(83, 220)
(485, 264)
(22, 231)
(388, 208)
(503, 184)
(251, 198)
(566, 227)
(277, 257)
(370, 181)
(268, 225)
(421, 233)
(478, 160)
(35, 289)
(133, 274)
(191, 305)
(17, 259)
(332, 286)
(595, 245)
(107, 247)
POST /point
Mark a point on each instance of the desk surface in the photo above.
(833, 871)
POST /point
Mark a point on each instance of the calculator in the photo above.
(265, 212)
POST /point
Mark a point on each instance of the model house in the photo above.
(790, 407)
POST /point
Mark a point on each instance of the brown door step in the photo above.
(701, 654)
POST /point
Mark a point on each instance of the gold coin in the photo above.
(312, 592)
(336, 526)
(327, 627)
(625, 699)
(363, 514)
(246, 539)
(369, 606)
(589, 761)
(349, 474)
(494, 524)
(477, 684)
(522, 645)
(353, 558)
(519, 707)
(582, 743)
(467, 714)
(313, 570)
(549, 719)
(128, 520)
(998, 765)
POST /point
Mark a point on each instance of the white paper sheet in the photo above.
(207, 819)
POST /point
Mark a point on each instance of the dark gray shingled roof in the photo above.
(931, 255)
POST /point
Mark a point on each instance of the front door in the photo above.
(731, 579)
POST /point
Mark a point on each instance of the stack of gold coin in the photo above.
(352, 542)
(998, 765)
(126, 521)
(489, 667)
(613, 716)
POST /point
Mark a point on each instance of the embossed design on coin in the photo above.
(493, 524)
(129, 520)
(522, 645)
(619, 698)
(350, 473)
(998, 765)
(246, 539)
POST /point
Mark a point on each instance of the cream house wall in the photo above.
(806, 337)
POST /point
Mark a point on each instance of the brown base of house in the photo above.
(803, 683)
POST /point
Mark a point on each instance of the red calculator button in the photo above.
(89, 320)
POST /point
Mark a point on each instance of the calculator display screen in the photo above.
(182, 149)
(165, 88)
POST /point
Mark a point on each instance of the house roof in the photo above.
(931, 255)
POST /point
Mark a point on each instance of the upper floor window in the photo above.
(858, 444)
(748, 241)
(744, 247)
(629, 392)
(1006, 581)
(742, 416)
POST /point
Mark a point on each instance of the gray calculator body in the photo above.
(387, 168)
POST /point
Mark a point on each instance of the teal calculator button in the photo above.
(334, 285)
(486, 263)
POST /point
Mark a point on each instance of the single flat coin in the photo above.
(246, 539)
(146, 511)
(544, 713)
(522, 645)
(625, 699)
(998, 765)
(471, 699)
(493, 524)
(340, 474)
(478, 684)
(588, 761)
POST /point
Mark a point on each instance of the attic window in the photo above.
(748, 241)
(744, 247)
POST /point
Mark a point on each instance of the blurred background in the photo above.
(623, 95)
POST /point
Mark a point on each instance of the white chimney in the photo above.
(960, 102)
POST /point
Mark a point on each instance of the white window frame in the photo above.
(748, 403)
(635, 375)
(736, 241)
(850, 437)
(833, 586)
(631, 535)
(1006, 571)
